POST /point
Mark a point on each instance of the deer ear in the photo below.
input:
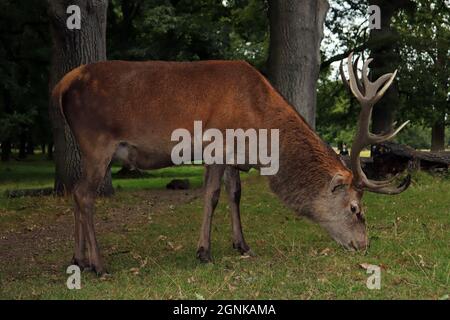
(338, 182)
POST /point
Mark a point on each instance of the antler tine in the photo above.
(377, 184)
(375, 139)
(394, 190)
(385, 87)
(368, 93)
(365, 77)
(358, 80)
(353, 81)
(343, 78)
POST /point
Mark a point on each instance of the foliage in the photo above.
(425, 74)
(232, 29)
(423, 78)
(188, 30)
(24, 58)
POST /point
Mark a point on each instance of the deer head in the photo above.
(337, 207)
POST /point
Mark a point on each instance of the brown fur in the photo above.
(151, 99)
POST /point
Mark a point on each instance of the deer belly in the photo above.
(135, 158)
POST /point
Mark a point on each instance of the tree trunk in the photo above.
(438, 135)
(30, 146)
(6, 141)
(72, 48)
(6, 150)
(50, 151)
(440, 96)
(22, 145)
(296, 31)
(383, 45)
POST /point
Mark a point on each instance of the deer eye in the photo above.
(338, 187)
(353, 208)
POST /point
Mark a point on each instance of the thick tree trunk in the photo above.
(385, 59)
(438, 135)
(71, 48)
(383, 45)
(296, 31)
(440, 96)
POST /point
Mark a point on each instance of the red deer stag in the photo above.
(130, 109)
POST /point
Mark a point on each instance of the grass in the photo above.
(37, 173)
(154, 256)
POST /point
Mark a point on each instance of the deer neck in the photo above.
(306, 163)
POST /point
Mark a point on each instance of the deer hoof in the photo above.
(103, 275)
(82, 263)
(249, 253)
(204, 255)
(243, 249)
(99, 270)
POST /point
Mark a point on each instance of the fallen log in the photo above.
(390, 158)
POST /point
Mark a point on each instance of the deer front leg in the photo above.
(233, 187)
(212, 180)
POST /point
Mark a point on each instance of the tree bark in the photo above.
(438, 135)
(384, 51)
(72, 48)
(441, 103)
(296, 31)
(50, 151)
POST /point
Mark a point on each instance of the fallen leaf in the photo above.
(135, 271)
(365, 266)
(199, 296)
(231, 288)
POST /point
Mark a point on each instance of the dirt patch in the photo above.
(24, 247)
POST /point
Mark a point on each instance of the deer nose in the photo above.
(354, 207)
(362, 244)
(359, 244)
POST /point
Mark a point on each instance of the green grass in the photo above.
(37, 173)
(154, 257)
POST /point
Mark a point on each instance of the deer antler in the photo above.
(368, 93)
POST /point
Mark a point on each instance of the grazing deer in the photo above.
(130, 109)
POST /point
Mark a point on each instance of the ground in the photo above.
(148, 237)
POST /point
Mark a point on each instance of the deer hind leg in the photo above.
(79, 257)
(93, 172)
(212, 181)
(233, 187)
